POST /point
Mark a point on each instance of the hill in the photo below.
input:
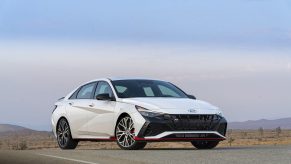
(284, 123)
(6, 128)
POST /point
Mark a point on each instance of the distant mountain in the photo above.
(284, 123)
(14, 130)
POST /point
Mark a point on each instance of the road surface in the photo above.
(241, 155)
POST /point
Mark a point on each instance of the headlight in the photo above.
(147, 113)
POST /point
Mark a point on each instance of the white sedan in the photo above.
(133, 112)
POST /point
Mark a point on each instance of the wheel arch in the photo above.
(119, 118)
(62, 117)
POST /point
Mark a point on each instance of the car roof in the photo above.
(124, 78)
(130, 78)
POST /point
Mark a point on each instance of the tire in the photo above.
(205, 144)
(64, 137)
(125, 134)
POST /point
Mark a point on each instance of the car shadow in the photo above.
(181, 149)
(219, 148)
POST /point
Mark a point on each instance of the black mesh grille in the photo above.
(194, 122)
(222, 128)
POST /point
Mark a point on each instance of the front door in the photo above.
(101, 117)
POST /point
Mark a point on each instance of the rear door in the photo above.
(78, 108)
(101, 117)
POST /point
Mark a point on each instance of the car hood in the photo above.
(174, 105)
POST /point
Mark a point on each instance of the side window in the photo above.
(74, 95)
(103, 88)
(167, 91)
(86, 91)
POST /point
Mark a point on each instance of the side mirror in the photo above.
(104, 96)
(191, 97)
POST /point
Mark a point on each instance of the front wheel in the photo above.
(125, 134)
(205, 144)
(64, 137)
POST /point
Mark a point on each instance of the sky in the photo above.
(235, 54)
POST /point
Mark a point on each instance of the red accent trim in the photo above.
(113, 138)
(175, 139)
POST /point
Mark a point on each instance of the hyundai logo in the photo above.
(192, 110)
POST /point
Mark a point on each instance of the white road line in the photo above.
(69, 159)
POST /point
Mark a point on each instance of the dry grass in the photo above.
(45, 140)
(256, 137)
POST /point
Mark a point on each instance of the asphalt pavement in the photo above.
(232, 155)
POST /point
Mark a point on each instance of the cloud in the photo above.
(225, 77)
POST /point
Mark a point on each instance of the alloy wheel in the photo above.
(125, 132)
(63, 133)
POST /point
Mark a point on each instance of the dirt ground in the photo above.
(45, 140)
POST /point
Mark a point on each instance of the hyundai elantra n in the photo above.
(133, 112)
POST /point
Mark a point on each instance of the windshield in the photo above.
(146, 88)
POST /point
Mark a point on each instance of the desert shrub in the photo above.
(23, 145)
(20, 145)
(244, 134)
(230, 141)
(278, 131)
(261, 132)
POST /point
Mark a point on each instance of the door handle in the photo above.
(91, 105)
(71, 103)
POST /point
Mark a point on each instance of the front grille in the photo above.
(222, 129)
(194, 122)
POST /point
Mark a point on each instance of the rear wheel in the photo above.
(64, 137)
(125, 134)
(205, 144)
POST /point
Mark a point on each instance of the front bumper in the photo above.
(183, 128)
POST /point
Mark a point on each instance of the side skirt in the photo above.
(111, 139)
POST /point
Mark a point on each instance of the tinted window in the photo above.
(148, 91)
(103, 88)
(167, 91)
(120, 89)
(86, 91)
(146, 88)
